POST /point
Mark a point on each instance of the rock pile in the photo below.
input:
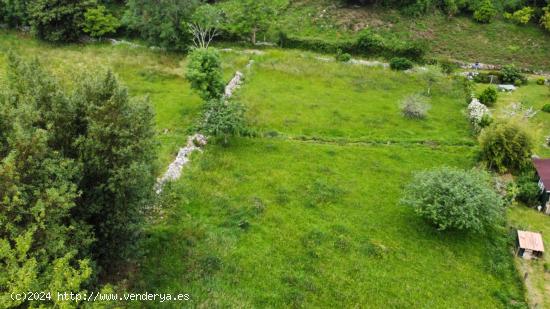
(194, 143)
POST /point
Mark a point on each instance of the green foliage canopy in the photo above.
(58, 20)
(454, 199)
(506, 146)
(98, 22)
(204, 72)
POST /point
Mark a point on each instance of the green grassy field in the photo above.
(295, 94)
(270, 223)
(308, 216)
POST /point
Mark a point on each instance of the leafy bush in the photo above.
(485, 12)
(415, 107)
(541, 81)
(98, 22)
(546, 108)
(58, 21)
(342, 57)
(528, 190)
(14, 13)
(522, 16)
(223, 119)
(489, 96)
(454, 199)
(545, 18)
(486, 120)
(369, 42)
(511, 74)
(161, 22)
(204, 72)
(400, 64)
(506, 146)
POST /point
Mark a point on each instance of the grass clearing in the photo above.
(271, 223)
(295, 94)
(277, 222)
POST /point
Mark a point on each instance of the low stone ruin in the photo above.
(233, 84)
(194, 143)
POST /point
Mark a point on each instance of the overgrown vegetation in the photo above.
(77, 170)
(506, 146)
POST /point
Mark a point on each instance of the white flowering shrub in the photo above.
(477, 113)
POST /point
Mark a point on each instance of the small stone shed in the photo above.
(530, 245)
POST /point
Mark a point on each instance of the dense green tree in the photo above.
(117, 154)
(454, 199)
(58, 20)
(204, 72)
(42, 246)
(162, 23)
(253, 17)
(98, 22)
(506, 146)
(14, 12)
(485, 12)
(76, 171)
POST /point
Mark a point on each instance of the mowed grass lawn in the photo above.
(272, 223)
(295, 94)
(280, 222)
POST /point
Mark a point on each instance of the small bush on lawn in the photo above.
(342, 57)
(506, 146)
(400, 64)
(541, 81)
(489, 96)
(510, 74)
(485, 12)
(415, 107)
(454, 199)
(528, 190)
(369, 42)
(546, 108)
(223, 119)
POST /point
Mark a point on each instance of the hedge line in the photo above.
(367, 44)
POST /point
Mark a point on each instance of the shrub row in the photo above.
(367, 44)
